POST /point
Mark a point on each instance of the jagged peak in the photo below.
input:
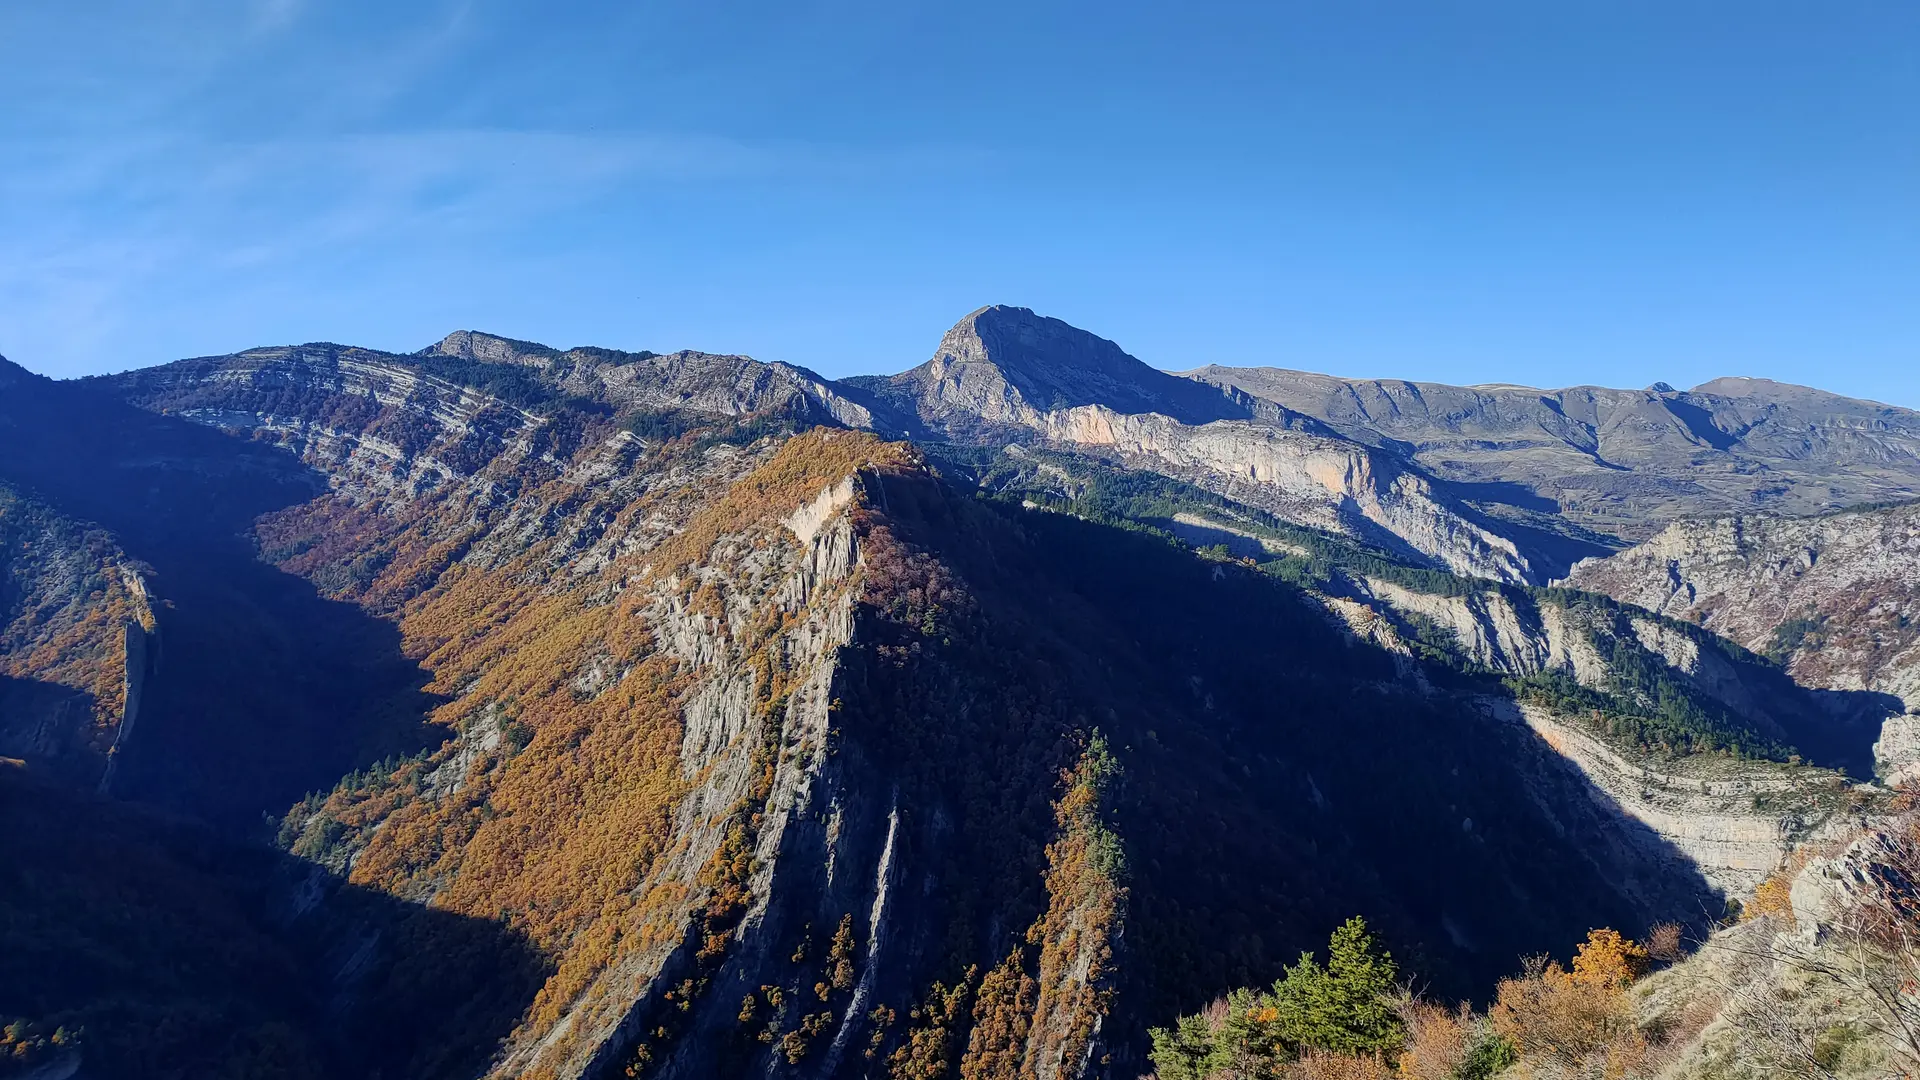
(1051, 364)
(1022, 342)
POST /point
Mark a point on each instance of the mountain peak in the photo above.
(1043, 356)
(1049, 365)
(490, 348)
(1792, 395)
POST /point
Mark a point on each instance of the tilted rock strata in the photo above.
(1003, 372)
(1856, 575)
(74, 625)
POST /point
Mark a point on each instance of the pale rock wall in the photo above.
(1496, 635)
(1712, 817)
(1308, 478)
(1744, 576)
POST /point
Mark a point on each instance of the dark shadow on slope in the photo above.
(1847, 724)
(1239, 545)
(1505, 492)
(262, 690)
(1416, 797)
(1551, 553)
(1533, 522)
(184, 954)
(48, 723)
(1279, 778)
(1700, 422)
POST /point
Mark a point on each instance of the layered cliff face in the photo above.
(1328, 483)
(258, 688)
(696, 381)
(1841, 586)
(1832, 597)
(1622, 462)
(1736, 821)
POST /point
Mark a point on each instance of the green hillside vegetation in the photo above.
(1348, 1007)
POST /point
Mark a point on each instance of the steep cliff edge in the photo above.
(1737, 821)
(1002, 367)
(1638, 695)
(262, 689)
(851, 695)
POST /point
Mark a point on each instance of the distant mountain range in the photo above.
(522, 711)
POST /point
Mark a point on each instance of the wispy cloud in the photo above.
(273, 16)
(87, 226)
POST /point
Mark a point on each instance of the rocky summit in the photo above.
(502, 710)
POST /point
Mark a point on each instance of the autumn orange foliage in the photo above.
(1321, 1065)
(1580, 1019)
(75, 608)
(560, 807)
(1438, 1041)
(1773, 898)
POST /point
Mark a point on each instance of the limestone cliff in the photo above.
(1008, 367)
(1311, 479)
(1816, 980)
(745, 742)
(1736, 821)
(701, 382)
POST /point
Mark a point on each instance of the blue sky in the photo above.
(1475, 191)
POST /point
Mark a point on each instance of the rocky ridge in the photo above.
(1620, 462)
(75, 621)
(701, 382)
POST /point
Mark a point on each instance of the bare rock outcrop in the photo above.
(75, 620)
